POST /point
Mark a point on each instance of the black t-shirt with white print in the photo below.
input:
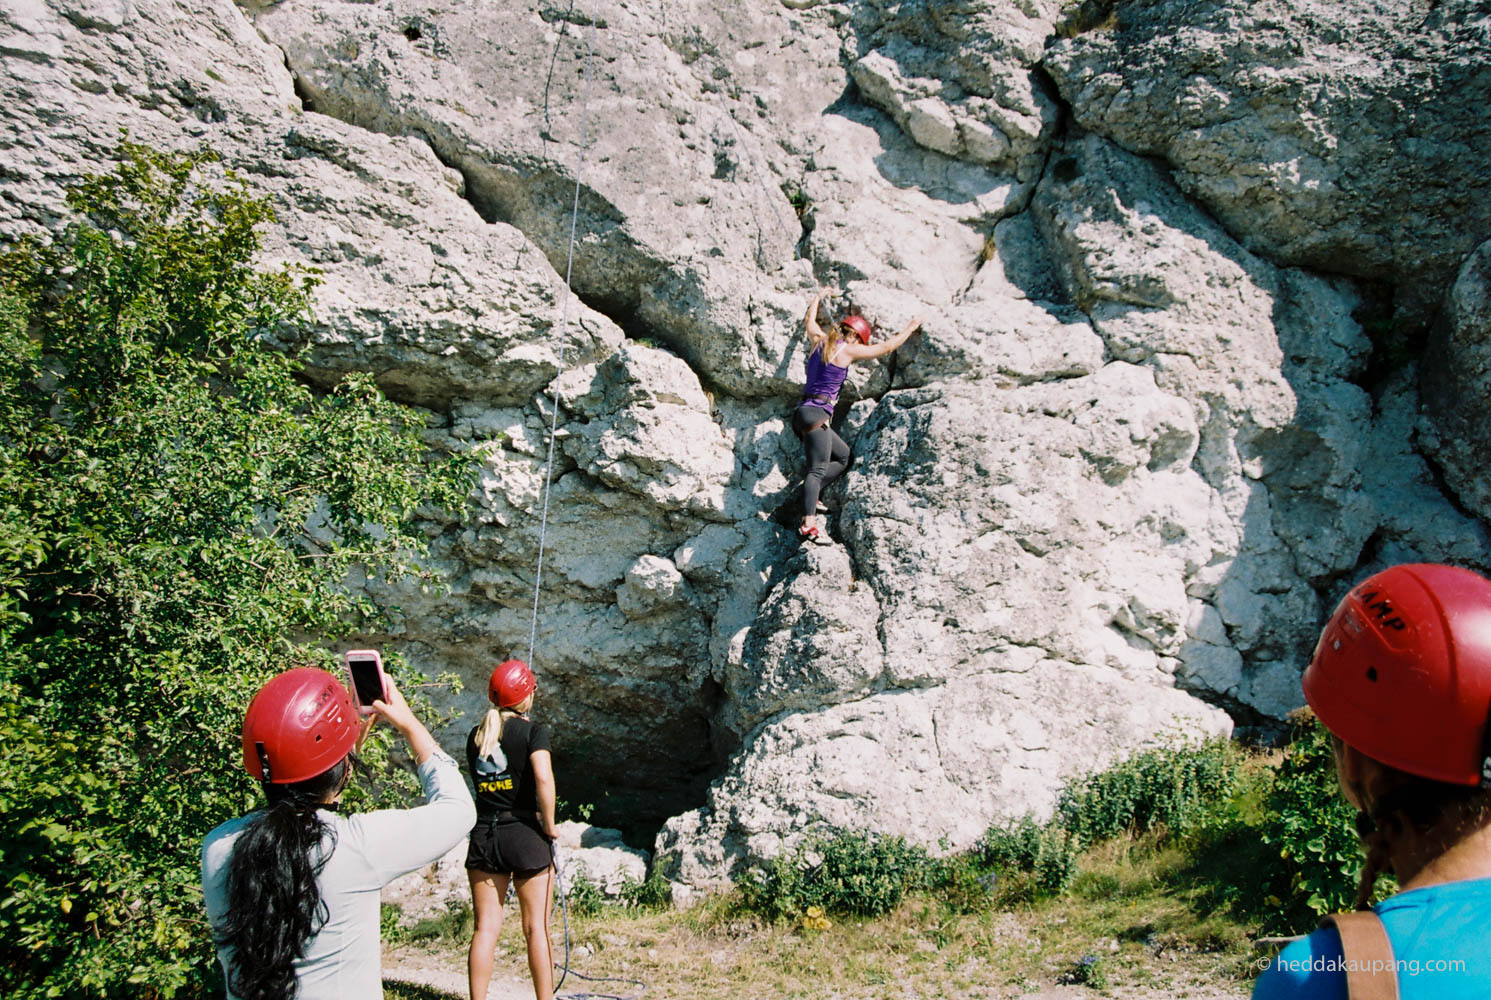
(504, 779)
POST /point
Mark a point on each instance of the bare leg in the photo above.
(487, 894)
(536, 902)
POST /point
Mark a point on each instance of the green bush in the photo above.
(962, 883)
(583, 897)
(1048, 853)
(1174, 787)
(854, 872)
(1313, 829)
(159, 471)
(651, 893)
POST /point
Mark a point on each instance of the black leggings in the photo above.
(828, 455)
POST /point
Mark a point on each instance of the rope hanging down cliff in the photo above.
(543, 524)
(574, 217)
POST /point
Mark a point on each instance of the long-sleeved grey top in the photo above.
(343, 961)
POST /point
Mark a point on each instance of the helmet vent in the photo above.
(1371, 673)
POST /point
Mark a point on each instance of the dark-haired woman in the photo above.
(292, 889)
(512, 842)
(1402, 679)
(827, 455)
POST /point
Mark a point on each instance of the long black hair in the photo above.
(274, 901)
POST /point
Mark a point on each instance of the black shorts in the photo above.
(508, 847)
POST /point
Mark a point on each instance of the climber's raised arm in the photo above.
(810, 326)
(865, 352)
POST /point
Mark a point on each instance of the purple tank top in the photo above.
(824, 379)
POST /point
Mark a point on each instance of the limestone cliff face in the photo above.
(1206, 341)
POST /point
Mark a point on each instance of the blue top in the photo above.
(824, 380)
(1440, 943)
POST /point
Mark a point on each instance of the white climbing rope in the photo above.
(543, 524)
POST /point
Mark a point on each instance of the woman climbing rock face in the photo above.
(1402, 679)
(828, 456)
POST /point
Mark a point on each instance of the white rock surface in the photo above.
(1159, 417)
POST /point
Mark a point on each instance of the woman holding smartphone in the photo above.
(512, 842)
(292, 889)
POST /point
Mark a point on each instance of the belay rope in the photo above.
(543, 524)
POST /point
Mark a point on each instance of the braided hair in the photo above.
(274, 900)
(1418, 805)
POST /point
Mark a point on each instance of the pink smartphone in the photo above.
(369, 682)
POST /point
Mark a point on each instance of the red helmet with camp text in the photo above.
(1402, 672)
(860, 326)
(299, 725)
(511, 682)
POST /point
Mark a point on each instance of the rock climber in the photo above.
(508, 758)
(1402, 679)
(291, 890)
(827, 455)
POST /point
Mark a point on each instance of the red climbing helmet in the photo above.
(299, 725)
(1402, 672)
(860, 326)
(511, 682)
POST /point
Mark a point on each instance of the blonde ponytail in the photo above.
(489, 733)
(832, 338)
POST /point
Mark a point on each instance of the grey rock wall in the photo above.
(1156, 422)
(1343, 135)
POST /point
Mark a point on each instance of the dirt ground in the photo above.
(446, 971)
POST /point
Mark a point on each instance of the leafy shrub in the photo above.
(962, 882)
(1313, 829)
(582, 896)
(651, 893)
(855, 872)
(1047, 853)
(159, 468)
(1172, 787)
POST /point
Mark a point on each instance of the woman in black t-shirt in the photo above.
(508, 758)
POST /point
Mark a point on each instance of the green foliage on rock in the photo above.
(178, 512)
(583, 897)
(1033, 859)
(1312, 829)
(1172, 786)
(853, 872)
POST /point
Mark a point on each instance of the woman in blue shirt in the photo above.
(827, 455)
(1402, 679)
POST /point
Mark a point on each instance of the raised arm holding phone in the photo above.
(292, 889)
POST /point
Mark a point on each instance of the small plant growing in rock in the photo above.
(1089, 970)
(651, 893)
(582, 896)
